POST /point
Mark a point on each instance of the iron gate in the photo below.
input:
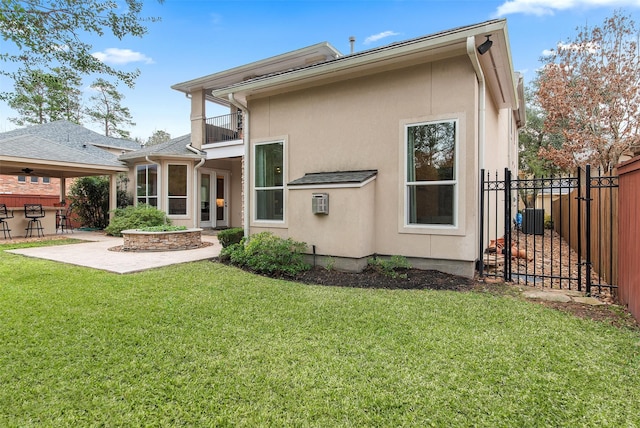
(558, 232)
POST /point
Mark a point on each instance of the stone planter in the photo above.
(140, 241)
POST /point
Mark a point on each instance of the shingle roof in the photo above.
(337, 177)
(71, 134)
(174, 147)
(63, 141)
(34, 147)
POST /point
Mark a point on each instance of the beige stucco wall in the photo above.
(344, 220)
(359, 124)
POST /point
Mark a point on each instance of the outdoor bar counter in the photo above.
(18, 224)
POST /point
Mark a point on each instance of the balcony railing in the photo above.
(223, 128)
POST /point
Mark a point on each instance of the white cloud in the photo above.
(548, 52)
(549, 7)
(379, 36)
(121, 56)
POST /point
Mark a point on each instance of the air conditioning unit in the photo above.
(320, 203)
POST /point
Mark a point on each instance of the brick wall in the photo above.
(9, 184)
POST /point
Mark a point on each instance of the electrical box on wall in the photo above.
(320, 203)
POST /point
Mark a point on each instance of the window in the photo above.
(46, 180)
(147, 185)
(34, 179)
(22, 179)
(269, 184)
(431, 173)
(177, 190)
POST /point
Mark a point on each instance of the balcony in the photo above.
(223, 128)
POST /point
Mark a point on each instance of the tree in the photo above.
(533, 137)
(107, 111)
(590, 90)
(41, 97)
(53, 33)
(158, 136)
(90, 199)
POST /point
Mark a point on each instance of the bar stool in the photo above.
(63, 219)
(34, 213)
(4, 215)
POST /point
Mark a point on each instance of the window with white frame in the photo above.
(431, 179)
(177, 194)
(46, 180)
(22, 179)
(147, 184)
(34, 179)
(269, 182)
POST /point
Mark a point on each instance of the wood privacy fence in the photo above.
(18, 200)
(573, 220)
(629, 243)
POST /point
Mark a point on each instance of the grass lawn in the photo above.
(204, 344)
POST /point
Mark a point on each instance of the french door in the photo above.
(214, 198)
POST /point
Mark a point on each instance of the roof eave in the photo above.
(453, 41)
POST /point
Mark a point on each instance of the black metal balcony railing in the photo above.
(223, 128)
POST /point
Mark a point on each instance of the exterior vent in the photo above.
(320, 203)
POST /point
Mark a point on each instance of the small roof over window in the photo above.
(319, 179)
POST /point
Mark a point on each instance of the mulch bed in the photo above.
(406, 279)
(415, 279)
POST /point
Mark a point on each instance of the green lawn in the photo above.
(205, 344)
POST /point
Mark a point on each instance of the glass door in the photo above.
(222, 199)
(205, 199)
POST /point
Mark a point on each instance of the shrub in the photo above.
(162, 228)
(90, 199)
(548, 222)
(390, 267)
(135, 217)
(268, 254)
(230, 236)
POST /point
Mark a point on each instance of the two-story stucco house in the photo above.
(374, 152)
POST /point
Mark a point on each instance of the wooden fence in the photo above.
(18, 200)
(629, 245)
(603, 225)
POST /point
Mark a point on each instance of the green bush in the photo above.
(268, 254)
(389, 267)
(135, 217)
(548, 222)
(230, 236)
(162, 228)
(90, 199)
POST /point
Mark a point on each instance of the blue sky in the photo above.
(200, 37)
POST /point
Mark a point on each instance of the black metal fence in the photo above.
(558, 232)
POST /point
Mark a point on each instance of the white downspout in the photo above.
(247, 153)
(473, 56)
(195, 184)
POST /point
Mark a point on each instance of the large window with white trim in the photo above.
(269, 182)
(431, 181)
(177, 189)
(147, 184)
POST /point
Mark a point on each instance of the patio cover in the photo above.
(61, 149)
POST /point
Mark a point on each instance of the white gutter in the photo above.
(246, 170)
(196, 205)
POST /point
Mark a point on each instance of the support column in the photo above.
(63, 189)
(113, 194)
(198, 118)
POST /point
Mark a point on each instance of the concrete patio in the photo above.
(95, 253)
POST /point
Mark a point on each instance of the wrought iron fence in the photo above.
(558, 232)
